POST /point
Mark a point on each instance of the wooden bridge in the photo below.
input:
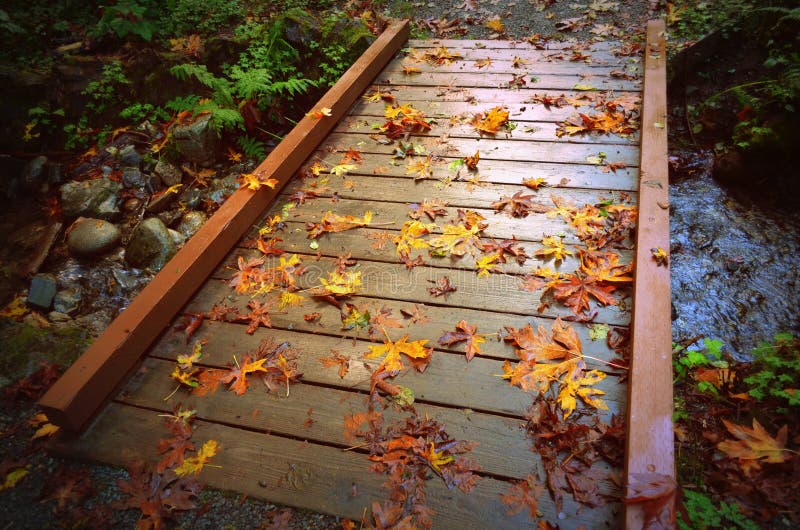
(290, 445)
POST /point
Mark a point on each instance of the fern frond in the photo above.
(248, 84)
(220, 86)
(292, 86)
(252, 147)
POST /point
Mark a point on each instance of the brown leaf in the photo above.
(464, 332)
(523, 494)
(442, 287)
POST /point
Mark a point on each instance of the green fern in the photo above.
(220, 86)
(250, 84)
(291, 87)
(221, 118)
(252, 148)
(182, 103)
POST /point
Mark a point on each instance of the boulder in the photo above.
(197, 141)
(133, 178)
(67, 301)
(170, 175)
(128, 156)
(191, 223)
(89, 237)
(151, 245)
(34, 174)
(91, 198)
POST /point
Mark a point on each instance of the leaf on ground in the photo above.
(464, 333)
(487, 264)
(409, 237)
(656, 494)
(496, 25)
(421, 169)
(354, 318)
(523, 495)
(472, 161)
(580, 386)
(258, 316)
(489, 122)
(756, 445)
(553, 249)
(392, 351)
(482, 63)
(340, 284)
(192, 465)
(254, 182)
(332, 222)
(432, 208)
(442, 287)
(534, 183)
(237, 374)
(337, 359)
(290, 299)
(518, 205)
(417, 314)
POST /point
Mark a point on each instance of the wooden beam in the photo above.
(89, 382)
(650, 437)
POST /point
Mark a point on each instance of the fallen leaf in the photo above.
(522, 495)
(464, 333)
(192, 465)
(392, 350)
(756, 445)
(490, 122)
(442, 287)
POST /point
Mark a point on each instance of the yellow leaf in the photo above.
(581, 387)
(342, 284)
(481, 63)
(496, 25)
(13, 477)
(486, 265)
(341, 169)
(420, 169)
(491, 122)
(409, 237)
(254, 182)
(192, 465)
(456, 240)
(48, 429)
(318, 168)
(318, 114)
(337, 223)
(553, 248)
(16, 309)
(233, 155)
(755, 445)
(534, 183)
(290, 299)
(186, 362)
(393, 350)
(437, 458)
(173, 189)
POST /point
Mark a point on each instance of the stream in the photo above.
(735, 263)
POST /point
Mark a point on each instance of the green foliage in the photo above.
(106, 90)
(138, 112)
(252, 148)
(126, 17)
(703, 514)
(776, 371)
(684, 360)
(203, 16)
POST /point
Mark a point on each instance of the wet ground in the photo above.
(735, 261)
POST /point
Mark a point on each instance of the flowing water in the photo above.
(735, 263)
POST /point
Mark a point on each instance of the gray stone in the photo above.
(151, 245)
(88, 237)
(196, 142)
(169, 174)
(169, 217)
(177, 237)
(192, 197)
(33, 175)
(160, 202)
(191, 223)
(42, 291)
(133, 178)
(67, 301)
(57, 316)
(128, 156)
(91, 198)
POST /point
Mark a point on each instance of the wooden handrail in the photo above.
(78, 395)
(650, 447)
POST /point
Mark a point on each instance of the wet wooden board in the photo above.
(265, 437)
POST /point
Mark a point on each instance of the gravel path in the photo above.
(94, 487)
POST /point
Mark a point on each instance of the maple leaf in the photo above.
(332, 222)
(186, 362)
(656, 494)
(269, 248)
(337, 359)
(341, 284)
(233, 155)
(431, 208)
(384, 319)
(317, 168)
(456, 240)
(487, 264)
(534, 183)
(562, 342)
(437, 458)
(517, 62)
(481, 63)
(553, 249)
(376, 96)
(605, 267)
(442, 287)
(416, 350)
(353, 423)
(518, 205)
(754, 446)
(409, 237)
(490, 121)
(464, 332)
(302, 195)
(71, 487)
(420, 169)
(580, 385)
(251, 181)
(192, 465)
(258, 316)
(503, 247)
(441, 55)
(352, 317)
(660, 256)
(289, 299)
(472, 161)
(416, 314)
(523, 494)
(496, 25)
(156, 497)
(575, 290)
(342, 169)
(16, 309)
(237, 374)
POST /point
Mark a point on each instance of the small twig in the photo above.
(173, 392)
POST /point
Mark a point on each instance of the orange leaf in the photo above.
(392, 350)
(523, 494)
(251, 181)
(491, 121)
(755, 446)
(237, 375)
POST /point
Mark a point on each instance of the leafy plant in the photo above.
(703, 513)
(684, 360)
(252, 148)
(126, 17)
(776, 371)
(138, 112)
(106, 90)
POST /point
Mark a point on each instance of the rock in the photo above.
(131, 205)
(151, 245)
(42, 291)
(169, 174)
(161, 201)
(34, 175)
(88, 237)
(196, 142)
(191, 223)
(177, 237)
(128, 156)
(169, 217)
(67, 301)
(191, 197)
(91, 198)
(729, 167)
(57, 316)
(133, 178)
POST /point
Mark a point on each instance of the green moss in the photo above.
(24, 346)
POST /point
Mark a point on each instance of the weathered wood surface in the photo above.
(539, 82)
(477, 63)
(650, 447)
(310, 476)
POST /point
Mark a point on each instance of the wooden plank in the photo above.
(493, 149)
(359, 244)
(492, 95)
(510, 44)
(436, 109)
(503, 172)
(534, 57)
(539, 131)
(505, 65)
(72, 401)
(440, 319)
(502, 444)
(553, 82)
(650, 437)
(497, 292)
(327, 475)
